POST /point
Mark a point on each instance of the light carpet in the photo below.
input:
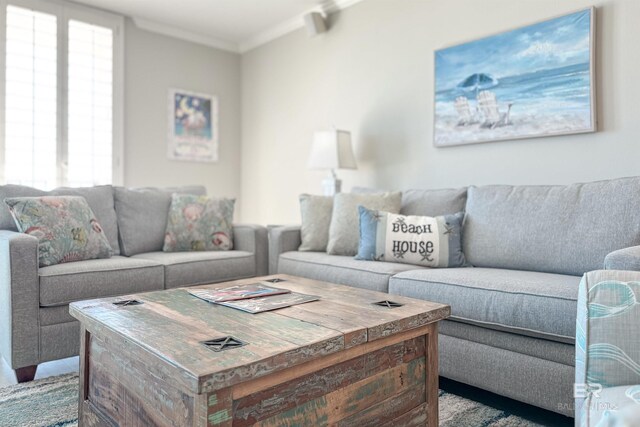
(53, 402)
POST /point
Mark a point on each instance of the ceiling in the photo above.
(234, 25)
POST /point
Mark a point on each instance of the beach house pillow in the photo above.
(420, 240)
(343, 232)
(65, 226)
(316, 219)
(199, 223)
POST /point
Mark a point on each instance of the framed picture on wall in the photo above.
(193, 126)
(534, 81)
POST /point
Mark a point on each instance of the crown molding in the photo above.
(327, 7)
(331, 6)
(179, 33)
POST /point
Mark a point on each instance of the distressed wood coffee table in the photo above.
(342, 360)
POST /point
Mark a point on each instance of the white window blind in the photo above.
(90, 104)
(62, 110)
(31, 133)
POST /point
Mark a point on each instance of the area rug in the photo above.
(52, 402)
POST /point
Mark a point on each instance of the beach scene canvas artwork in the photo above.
(531, 82)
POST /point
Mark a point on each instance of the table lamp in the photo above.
(332, 150)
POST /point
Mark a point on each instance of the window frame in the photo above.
(64, 12)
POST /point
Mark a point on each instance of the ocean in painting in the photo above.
(534, 81)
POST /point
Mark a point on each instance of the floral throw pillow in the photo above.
(66, 228)
(420, 240)
(198, 223)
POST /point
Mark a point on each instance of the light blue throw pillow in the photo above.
(408, 239)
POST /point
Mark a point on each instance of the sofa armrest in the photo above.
(19, 299)
(281, 240)
(253, 238)
(607, 334)
(623, 259)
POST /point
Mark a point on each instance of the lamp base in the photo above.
(331, 186)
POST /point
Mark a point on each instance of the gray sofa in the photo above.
(35, 325)
(513, 317)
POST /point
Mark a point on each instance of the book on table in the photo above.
(239, 292)
(274, 302)
(253, 297)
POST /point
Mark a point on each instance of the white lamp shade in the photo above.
(332, 150)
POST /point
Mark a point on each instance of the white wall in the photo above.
(372, 73)
(155, 63)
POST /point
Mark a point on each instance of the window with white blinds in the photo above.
(62, 105)
(31, 105)
(90, 104)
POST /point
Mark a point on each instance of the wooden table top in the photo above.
(170, 326)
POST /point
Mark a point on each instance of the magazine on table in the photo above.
(238, 292)
(274, 302)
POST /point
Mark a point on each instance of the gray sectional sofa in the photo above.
(513, 317)
(35, 325)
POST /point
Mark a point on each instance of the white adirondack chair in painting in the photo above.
(464, 111)
(488, 106)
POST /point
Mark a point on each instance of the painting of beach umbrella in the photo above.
(477, 82)
(535, 81)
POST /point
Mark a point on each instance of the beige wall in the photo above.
(155, 63)
(372, 73)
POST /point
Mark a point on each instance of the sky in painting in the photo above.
(555, 43)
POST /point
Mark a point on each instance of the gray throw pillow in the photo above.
(344, 231)
(143, 214)
(316, 219)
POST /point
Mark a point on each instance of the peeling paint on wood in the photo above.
(339, 361)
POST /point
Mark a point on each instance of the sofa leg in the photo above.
(26, 374)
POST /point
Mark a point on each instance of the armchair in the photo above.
(607, 386)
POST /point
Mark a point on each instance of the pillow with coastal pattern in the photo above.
(408, 239)
(199, 223)
(65, 226)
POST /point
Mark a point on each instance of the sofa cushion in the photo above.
(64, 283)
(433, 202)
(199, 268)
(55, 315)
(343, 231)
(544, 349)
(536, 304)
(315, 212)
(99, 198)
(142, 216)
(344, 270)
(556, 229)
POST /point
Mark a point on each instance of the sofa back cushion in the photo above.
(433, 202)
(99, 198)
(556, 229)
(344, 231)
(143, 214)
(315, 212)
